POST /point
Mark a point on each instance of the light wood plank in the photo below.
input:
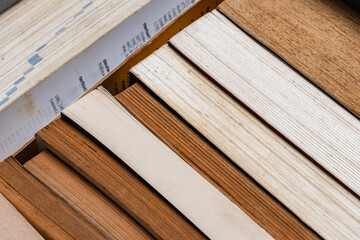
(105, 119)
(116, 181)
(306, 190)
(279, 95)
(66, 27)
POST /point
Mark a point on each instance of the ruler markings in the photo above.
(36, 58)
(36, 108)
(40, 48)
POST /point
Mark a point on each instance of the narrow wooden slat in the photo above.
(116, 181)
(319, 38)
(210, 164)
(13, 225)
(105, 119)
(280, 96)
(316, 198)
(49, 214)
(84, 198)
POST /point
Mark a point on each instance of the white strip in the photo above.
(32, 111)
(289, 103)
(106, 120)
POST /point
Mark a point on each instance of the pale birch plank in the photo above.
(105, 119)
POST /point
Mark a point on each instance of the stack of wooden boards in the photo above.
(91, 195)
(219, 138)
(115, 200)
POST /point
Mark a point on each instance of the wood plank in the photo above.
(13, 225)
(319, 38)
(37, 38)
(50, 215)
(116, 181)
(84, 198)
(316, 198)
(211, 165)
(214, 214)
(277, 94)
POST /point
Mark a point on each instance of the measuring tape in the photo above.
(32, 111)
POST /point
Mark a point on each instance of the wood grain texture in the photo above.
(320, 38)
(66, 27)
(116, 181)
(13, 226)
(280, 96)
(44, 224)
(84, 198)
(49, 214)
(213, 213)
(316, 198)
(210, 164)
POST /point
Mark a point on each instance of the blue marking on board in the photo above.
(11, 91)
(78, 14)
(88, 4)
(4, 101)
(70, 21)
(19, 81)
(40, 48)
(61, 29)
(35, 59)
(29, 70)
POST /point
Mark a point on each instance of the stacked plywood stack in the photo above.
(244, 126)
